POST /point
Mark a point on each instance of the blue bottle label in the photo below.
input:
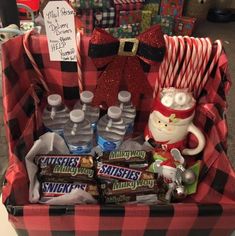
(108, 145)
(80, 149)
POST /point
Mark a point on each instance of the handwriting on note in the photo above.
(60, 30)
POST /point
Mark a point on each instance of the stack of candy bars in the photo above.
(60, 174)
(116, 177)
(128, 18)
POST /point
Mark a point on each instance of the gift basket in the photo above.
(143, 65)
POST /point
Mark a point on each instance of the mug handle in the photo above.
(201, 141)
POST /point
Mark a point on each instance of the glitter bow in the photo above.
(120, 62)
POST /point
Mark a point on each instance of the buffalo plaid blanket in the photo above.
(211, 211)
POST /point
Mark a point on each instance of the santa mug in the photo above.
(171, 120)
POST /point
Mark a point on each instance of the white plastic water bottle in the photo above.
(78, 133)
(55, 115)
(128, 110)
(111, 129)
(91, 113)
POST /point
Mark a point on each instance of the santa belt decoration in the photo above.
(121, 61)
(164, 145)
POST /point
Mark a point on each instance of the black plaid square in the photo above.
(104, 18)
(22, 232)
(63, 233)
(152, 232)
(11, 74)
(110, 233)
(71, 93)
(29, 107)
(14, 127)
(20, 149)
(201, 232)
(219, 181)
(68, 66)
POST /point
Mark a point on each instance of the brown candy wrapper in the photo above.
(85, 161)
(66, 173)
(110, 172)
(140, 191)
(133, 159)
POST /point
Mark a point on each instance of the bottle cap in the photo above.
(86, 96)
(124, 96)
(167, 100)
(54, 100)
(114, 112)
(77, 115)
(180, 98)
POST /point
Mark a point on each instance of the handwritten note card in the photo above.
(60, 30)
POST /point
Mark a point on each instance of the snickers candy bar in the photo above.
(55, 189)
(126, 157)
(66, 173)
(111, 172)
(85, 161)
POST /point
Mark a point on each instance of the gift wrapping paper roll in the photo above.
(90, 4)
(146, 20)
(153, 7)
(125, 31)
(104, 17)
(184, 25)
(128, 5)
(130, 17)
(166, 22)
(87, 19)
(171, 7)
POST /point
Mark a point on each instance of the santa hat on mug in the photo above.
(169, 114)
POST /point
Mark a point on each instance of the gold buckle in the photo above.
(133, 52)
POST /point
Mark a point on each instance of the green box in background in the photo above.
(166, 22)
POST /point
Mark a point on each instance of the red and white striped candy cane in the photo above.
(213, 63)
(179, 59)
(79, 63)
(182, 82)
(168, 62)
(201, 62)
(174, 61)
(196, 63)
(31, 58)
(191, 66)
(162, 69)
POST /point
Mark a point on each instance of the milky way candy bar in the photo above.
(85, 161)
(137, 191)
(109, 172)
(55, 189)
(134, 158)
(65, 173)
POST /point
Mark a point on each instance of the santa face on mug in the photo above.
(168, 129)
(171, 120)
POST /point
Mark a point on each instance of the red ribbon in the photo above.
(124, 72)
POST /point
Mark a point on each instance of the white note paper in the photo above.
(60, 30)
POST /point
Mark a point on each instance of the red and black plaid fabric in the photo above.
(211, 211)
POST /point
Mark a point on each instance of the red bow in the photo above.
(122, 62)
